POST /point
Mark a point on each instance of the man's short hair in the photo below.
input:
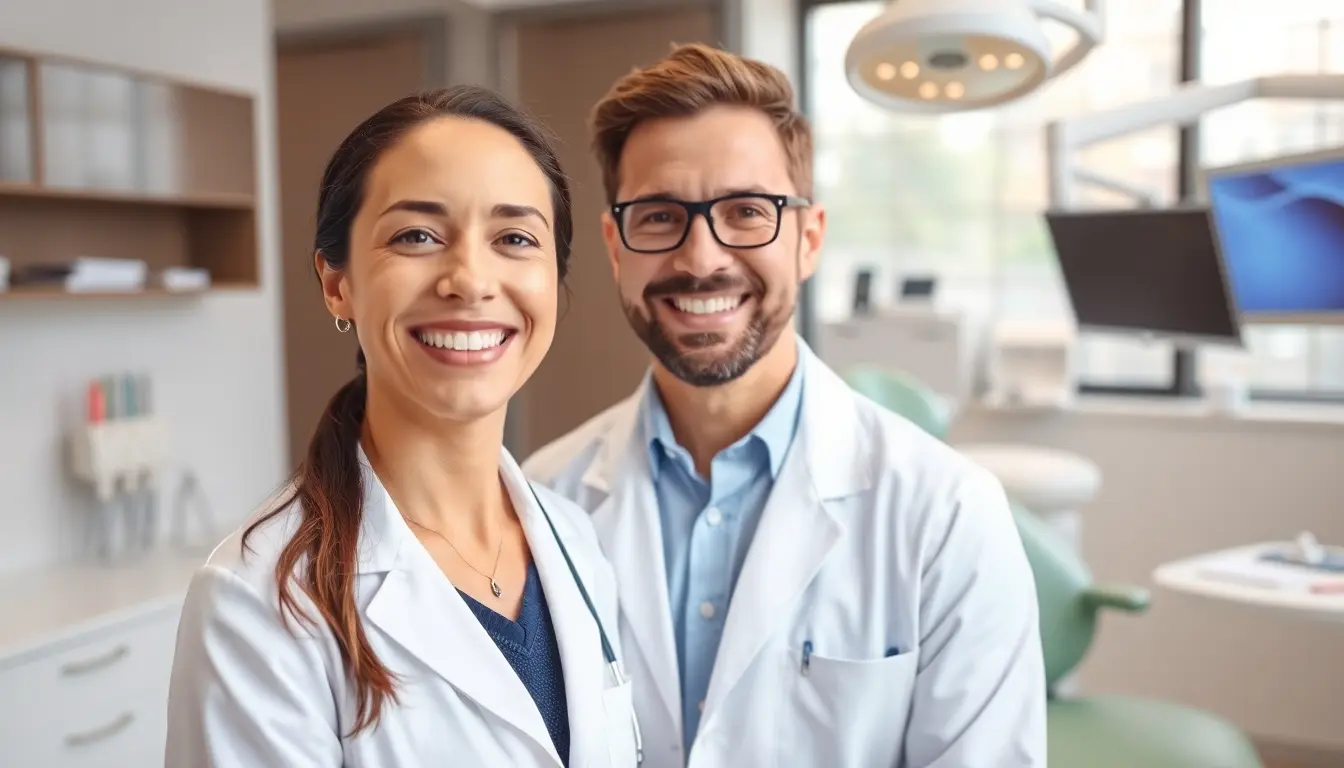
(692, 79)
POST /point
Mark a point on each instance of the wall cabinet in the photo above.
(101, 162)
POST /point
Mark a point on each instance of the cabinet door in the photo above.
(98, 702)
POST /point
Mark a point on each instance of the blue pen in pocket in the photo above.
(892, 651)
(807, 656)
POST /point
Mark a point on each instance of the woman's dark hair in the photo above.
(328, 484)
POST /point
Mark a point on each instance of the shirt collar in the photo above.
(775, 431)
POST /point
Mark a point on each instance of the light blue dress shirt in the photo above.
(708, 525)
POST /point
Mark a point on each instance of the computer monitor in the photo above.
(1280, 226)
(918, 288)
(1154, 273)
(862, 302)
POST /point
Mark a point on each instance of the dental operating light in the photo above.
(935, 56)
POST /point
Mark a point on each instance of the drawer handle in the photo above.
(122, 722)
(76, 668)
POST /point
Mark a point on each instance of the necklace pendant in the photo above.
(494, 587)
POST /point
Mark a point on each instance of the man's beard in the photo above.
(690, 356)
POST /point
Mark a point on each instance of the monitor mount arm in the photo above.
(1185, 106)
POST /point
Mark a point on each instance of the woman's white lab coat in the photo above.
(885, 615)
(248, 693)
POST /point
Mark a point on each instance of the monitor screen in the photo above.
(863, 291)
(1280, 226)
(917, 287)
(1155, 272)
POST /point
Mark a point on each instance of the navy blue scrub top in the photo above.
(532, 650)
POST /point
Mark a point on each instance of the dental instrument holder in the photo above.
(123, 460)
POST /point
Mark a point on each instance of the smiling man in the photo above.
(805, 578)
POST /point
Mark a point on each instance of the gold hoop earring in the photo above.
(343, 325)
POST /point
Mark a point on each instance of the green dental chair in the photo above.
(1110, 731)
(1087, 731)
(904, 395)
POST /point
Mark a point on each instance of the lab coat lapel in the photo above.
(798, 530)
(575, 629)
(628, 526)
(420, 610)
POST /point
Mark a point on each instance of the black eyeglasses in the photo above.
(739, 220)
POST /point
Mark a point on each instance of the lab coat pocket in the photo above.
(618, 703)
(851, 712)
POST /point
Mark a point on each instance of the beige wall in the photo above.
(292, 15)
(469, 35)
(596, 359)
(368, 73)
(1177, 484)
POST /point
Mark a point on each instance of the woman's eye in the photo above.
(415, 237)
(517, 240)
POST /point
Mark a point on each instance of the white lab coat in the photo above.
(247, 693)
(876, 537)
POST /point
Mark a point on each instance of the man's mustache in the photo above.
(716, 283)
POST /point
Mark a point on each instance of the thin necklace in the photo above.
(494, 585)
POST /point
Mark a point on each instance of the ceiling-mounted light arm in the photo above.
(1089, 23)
(1184, 106)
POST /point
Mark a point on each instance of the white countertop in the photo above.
(48, 605)
(1235, 575)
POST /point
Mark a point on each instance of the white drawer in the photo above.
(98, 702)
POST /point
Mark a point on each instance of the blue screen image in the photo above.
(1281, 231)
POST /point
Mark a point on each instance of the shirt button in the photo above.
(713, 516)
(701, 705)
(707, 610)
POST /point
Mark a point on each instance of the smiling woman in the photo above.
(411, 600)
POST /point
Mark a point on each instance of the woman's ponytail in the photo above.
(324, 550)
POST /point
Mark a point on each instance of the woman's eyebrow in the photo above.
(514, 211)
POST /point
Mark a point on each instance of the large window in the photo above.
(1250, 38)
(960, 196)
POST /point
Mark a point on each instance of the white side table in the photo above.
(1236, 575)
(1053, 484)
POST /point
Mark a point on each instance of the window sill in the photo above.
(1185, 413)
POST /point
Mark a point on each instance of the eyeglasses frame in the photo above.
(704, 208)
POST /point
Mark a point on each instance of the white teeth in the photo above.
(707, 306)
(461, 341)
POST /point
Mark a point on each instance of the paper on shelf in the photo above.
(185, 279)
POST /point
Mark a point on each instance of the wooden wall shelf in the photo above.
(97, 161)
(50, 294)
(219, 200)
(47, 294)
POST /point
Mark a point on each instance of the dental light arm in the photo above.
(1089, 23)
(1185, 106)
